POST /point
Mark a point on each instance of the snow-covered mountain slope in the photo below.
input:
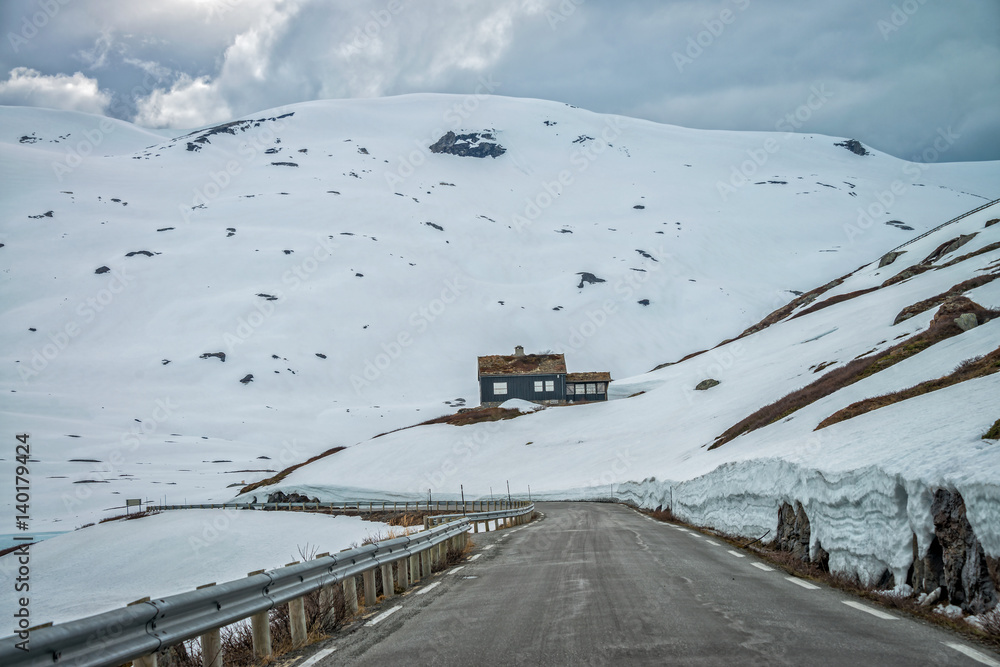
(356, 275)
(866, 483)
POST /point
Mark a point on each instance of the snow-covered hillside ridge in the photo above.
(186, 312)
(867, 484)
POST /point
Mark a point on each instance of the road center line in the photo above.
(713, 542)
(972, 653)
(737, 554)
(761, 566)
(386, 614)
(869, 610)
(803, 584)
(428, 588)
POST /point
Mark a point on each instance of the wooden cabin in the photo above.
(539, 378)
(587, 387)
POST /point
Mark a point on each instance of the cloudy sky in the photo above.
(891, 73)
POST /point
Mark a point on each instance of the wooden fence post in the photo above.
(211, 648)
(260, 628)
(368, 577)
(351, 594)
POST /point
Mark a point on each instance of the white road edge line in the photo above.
(869, 610)
(713, 542)
(972, 653)
(472, 558)
(317, 656)
(737, 554)
(454, 569)
(488, 546)
(385, 614)
(428, 588)
(761, 566)
(803, 584)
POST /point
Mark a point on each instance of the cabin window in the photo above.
(570, 389)
(538, 386)
(500, 388)
(550, 385)
(601, 387)
(591, 388)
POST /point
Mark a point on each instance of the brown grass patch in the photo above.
(938, 299)
(967, 370)
(130, 516)
(289, 470)
(838, 378)
(993, 433)
(840, 298)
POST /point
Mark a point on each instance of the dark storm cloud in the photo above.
(891, 73)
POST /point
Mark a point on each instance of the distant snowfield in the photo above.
(109, 565)
(351, 278)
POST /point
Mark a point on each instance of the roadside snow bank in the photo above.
(106, 566)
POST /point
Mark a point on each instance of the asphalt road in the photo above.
(598, 584)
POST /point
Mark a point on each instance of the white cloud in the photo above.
(189, 103)
(60, 91)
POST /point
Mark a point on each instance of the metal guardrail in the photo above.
(143, 628)
(953, 220)
(359, 507)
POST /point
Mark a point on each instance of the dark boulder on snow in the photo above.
(471, 144)
(707, 384)
(589, 278)
(102, 269)
(247, 379)
(854, 146)
(221, 356)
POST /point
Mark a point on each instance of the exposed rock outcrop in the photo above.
(293, 497)
(854, 146)
(706, 384)
(793, 531)
(889, 258)
(471, 144)
(955, 561)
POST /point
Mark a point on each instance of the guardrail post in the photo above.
(414, 568)
(368, 576)
(260, 628)
(425, 562)
(297, 622)
(351, 594)
(145, 661)
(404, 581)
(326, 602)
(211, 648)
(475, 526)
(388, 588)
